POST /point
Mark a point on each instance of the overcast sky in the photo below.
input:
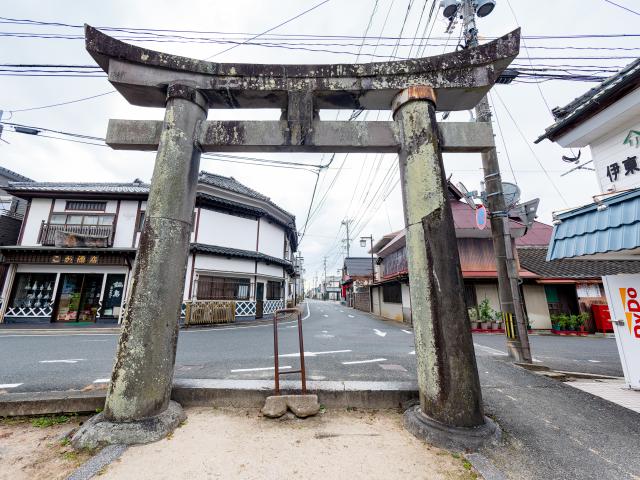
(356, 192)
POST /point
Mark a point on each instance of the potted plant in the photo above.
(473, 318)
(581, 319)
(498, 317)
(485, 314)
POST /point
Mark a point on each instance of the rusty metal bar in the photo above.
(276, 361)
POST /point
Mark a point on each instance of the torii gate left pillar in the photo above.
(138, 407)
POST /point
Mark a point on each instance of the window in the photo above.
(75, 219)
(6, 203)
(274, 290)
(140, 225)
(392, 293)
(86, 206)
(32, 290)
(220, 288)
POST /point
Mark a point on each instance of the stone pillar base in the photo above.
(460, 439)
(97, 431)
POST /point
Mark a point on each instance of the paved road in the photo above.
(344, 344)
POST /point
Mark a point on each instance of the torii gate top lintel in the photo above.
(459, 79)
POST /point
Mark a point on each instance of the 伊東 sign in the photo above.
(481, 217)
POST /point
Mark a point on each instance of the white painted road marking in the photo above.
(351, 316)
(341, 311)
(325, 315)
(379, 333)
(490, 350)
(374, 360)
(102, 380)
(313, 354)
(10, 385)
(594, 361)
(70, 360)
(412, 352)
(286, 367)
(408, 332)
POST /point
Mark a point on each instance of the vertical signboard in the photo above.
(623, 296)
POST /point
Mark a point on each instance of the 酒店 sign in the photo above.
(623, 297)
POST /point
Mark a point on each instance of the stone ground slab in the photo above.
(614, 391)
(241, 444)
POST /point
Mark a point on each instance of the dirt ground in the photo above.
(233, 444)
(38, 452)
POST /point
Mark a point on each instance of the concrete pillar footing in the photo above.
(459, 439)
(98, 431)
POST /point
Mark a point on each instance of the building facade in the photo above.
(78, 242)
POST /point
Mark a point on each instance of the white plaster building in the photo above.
(77, 245)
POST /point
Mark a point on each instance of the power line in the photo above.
(531, 150)
(623, 7)
(270, 29)
(62, 103)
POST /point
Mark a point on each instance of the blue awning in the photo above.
(589, 230)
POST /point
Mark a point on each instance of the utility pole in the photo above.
(506, 266)
(346, 222)
(324, 293)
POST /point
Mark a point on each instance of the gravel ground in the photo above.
(241, 444)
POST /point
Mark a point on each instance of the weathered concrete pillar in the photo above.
(450, 397)
(143, 372)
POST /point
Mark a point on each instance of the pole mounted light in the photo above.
(482, 7)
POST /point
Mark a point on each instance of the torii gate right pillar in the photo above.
(450, 411)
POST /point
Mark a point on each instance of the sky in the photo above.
(361, 188)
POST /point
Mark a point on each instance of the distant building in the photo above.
(547, 287)
(73, 260)
(357, 275)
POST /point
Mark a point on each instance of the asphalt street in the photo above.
(340, 344)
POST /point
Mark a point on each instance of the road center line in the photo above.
(313, 354)
(10, 385)
(351, 316)
(102, 380)
(286, 367)
(379, 333)
(373, 360)
(408, 332)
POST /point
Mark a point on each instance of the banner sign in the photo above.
(623, 297)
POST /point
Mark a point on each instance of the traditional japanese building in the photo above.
(78, 241)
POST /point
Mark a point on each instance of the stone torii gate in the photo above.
(138, 407)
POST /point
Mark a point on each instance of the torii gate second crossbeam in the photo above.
(138, 407)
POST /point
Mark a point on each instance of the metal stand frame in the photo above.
(276, 359)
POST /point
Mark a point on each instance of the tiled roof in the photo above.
(15, 176)
(358, 266)
(594, 100)
(237, 253)
(534, 260)
(589, 230)
(70, 187)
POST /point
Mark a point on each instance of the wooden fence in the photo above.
(207, 312)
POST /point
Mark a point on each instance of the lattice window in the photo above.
(221, 288)
(392, 293)
(86, 206)
(274, 290)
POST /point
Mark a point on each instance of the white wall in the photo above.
(535, 300)
(271, 239)
(38, 212)
(126, 225)
(221, 264)
(217, 228)
(270, 270)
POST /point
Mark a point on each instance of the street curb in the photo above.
(221, 393)
(95, 464)
(484, 467)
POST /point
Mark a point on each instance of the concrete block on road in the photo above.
(303, 406)
(274, 406)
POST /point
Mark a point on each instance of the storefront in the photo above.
(79, 286)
